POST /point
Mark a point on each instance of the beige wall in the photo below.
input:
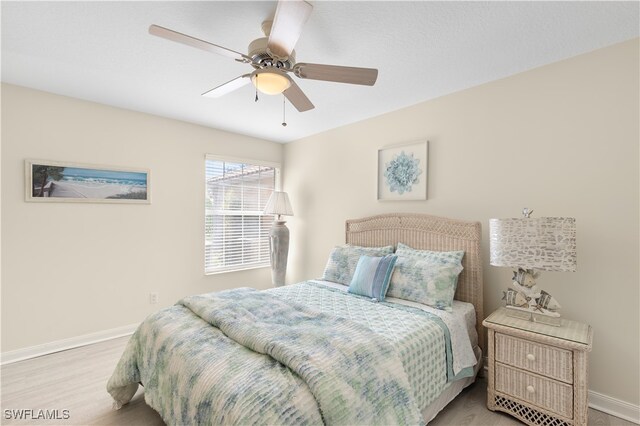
(70, 269)
(561, 139)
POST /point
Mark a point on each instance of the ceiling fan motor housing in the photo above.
(259, 53)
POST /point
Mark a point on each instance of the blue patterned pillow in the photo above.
(427, 277)
(441, 257)
(344, 259)
(372, 276)
(444, 258)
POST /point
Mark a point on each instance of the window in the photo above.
(236, 232)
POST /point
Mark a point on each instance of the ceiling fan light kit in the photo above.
(270, 81)
(272, 57)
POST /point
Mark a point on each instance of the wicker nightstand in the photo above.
(537, 372)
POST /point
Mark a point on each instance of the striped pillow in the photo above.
(372, 276)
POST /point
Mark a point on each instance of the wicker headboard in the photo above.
(425, 232)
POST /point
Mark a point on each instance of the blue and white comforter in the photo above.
(286, 356)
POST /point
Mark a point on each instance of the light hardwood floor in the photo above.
(76, 379)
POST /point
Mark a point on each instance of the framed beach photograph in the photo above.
(402, 171)
(54, 181)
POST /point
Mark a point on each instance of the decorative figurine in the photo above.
(515, 298)
(528, 297)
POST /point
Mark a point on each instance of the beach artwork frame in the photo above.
(56, 181)
(402, 172)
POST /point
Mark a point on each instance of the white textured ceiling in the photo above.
(101, 51)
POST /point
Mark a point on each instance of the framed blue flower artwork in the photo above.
(402, 171)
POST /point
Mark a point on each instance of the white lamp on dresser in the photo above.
(278, 205)
(530, 245)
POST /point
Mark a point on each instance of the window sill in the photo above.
(236, 269)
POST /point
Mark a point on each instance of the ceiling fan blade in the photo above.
(163, 32)
(228, 87)
(290, 17)
(296, 96)
(351, 75)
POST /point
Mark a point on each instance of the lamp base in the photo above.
(529, 315)
(526, 301)
(279, 249)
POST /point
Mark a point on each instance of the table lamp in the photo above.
(531, 245)
(279, 205)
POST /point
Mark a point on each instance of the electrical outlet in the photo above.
(153, 298)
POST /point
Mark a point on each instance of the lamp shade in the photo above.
(545, 243)
(279, 204)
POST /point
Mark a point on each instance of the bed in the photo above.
(311, 353)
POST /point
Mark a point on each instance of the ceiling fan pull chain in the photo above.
(256, 89)
(284, 118)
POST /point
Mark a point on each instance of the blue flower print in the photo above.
(402, 172)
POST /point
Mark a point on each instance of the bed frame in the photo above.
(424, 232)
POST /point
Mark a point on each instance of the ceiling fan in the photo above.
(273, 58)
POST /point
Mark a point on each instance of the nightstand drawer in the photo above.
(538, 358)
(545, 393)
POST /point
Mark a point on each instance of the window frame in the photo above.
(277, 187)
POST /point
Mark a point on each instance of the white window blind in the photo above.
(236, 229)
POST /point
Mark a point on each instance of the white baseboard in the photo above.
(615, 407)
(62, 345)
(598, 401)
